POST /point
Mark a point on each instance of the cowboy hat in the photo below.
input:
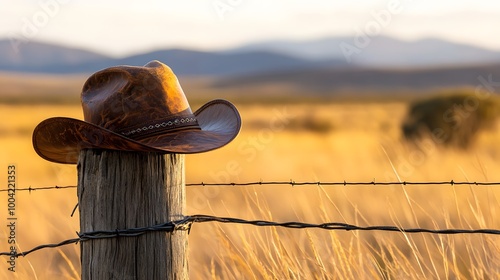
(139, 109)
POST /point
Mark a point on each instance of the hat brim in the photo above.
(60, 139)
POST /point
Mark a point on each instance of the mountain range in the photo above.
(314, 65)
(381, 51)
(261, 57)
(37, 57)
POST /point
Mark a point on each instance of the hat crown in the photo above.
(124, 99)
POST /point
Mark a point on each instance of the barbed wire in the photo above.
(30, 189)
(294, 183)
(183, 224)
(186, 223)
(345, 183)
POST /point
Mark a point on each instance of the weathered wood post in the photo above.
(120, 190)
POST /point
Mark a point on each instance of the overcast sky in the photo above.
(121, 27)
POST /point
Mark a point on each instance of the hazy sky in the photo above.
(123, 27)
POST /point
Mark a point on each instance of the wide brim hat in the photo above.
(141, 109)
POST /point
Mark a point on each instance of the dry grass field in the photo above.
(318, 142)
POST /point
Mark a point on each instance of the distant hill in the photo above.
(263, 57)
(330, 80)
(42, 57)
(274, 68)
(381, 51)
(386, 52)
(190, 62)
(35, 57)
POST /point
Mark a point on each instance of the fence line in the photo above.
(294, 183)
(186, 222)
(345, 183)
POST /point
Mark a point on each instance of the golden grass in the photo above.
(362, 144)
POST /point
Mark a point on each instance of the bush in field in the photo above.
(451, 120)
(316, 125)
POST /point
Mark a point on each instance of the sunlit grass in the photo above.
(363, 143)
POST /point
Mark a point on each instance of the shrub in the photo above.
(452, 119)
(311, 123)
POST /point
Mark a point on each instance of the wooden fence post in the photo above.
(120, 190)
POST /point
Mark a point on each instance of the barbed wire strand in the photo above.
(345, 183)
(186, 222)
(294, 183)
(30, 189)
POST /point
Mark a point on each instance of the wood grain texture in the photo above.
(119, 190)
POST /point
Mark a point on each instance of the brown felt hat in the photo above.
(141, 109)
